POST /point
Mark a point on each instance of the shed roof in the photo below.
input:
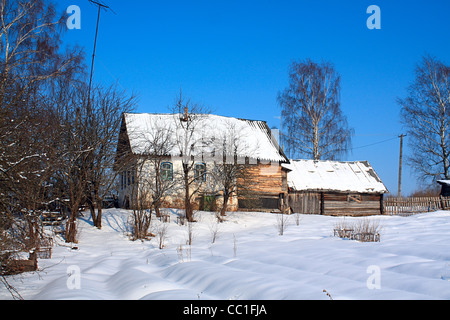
(254, 137)
(351, 176)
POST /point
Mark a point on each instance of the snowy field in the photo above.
(248, 260)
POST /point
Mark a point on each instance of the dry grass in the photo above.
(364, 230)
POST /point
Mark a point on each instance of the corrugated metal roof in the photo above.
(352, 176)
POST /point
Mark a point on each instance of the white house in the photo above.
(202, 140)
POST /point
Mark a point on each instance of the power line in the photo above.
(355, 148)
(373, 144)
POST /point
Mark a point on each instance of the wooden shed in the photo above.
(445, 187)
(334, 188)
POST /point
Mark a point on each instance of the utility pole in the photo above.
(400, 166)
(100, 6)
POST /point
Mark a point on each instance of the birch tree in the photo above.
(425, 113)
(313, 123)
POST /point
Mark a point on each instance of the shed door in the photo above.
(307, 203)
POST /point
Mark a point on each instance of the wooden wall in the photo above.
(263, 186)
(333, 203)
(305, 202)
(267, 178)
(352, 204)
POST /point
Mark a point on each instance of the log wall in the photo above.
(267, 179)
(329, 203)
(264, 186)
(351, 204)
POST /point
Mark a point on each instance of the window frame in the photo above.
(200, 175)
(163, 171)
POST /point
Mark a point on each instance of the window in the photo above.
(127, 179)
(200, 172)
(167, 171)
(354, 198)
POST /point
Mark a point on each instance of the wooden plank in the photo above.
(345, 204)
(305, 202)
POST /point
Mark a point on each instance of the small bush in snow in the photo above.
(282, 223)
(161, 232)
(364, 230)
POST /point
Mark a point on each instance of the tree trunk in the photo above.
(316, 152)
(71, 226)
(188, 206)
(157, 206)
(226, 197)
(98, 220)
(187, 196)
(91, 206)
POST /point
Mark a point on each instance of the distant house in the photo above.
(334, 188)
(253, 144)
(445, 187)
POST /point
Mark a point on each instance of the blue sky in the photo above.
(233, 56)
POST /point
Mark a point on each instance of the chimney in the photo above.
(186, 114)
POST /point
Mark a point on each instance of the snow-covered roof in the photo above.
(352, 176)
(442, 182)
(254, 137)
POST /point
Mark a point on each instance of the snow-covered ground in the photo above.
(248, 260)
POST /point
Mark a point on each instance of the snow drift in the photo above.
(248, 260)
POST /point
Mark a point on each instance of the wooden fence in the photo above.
(414, 205)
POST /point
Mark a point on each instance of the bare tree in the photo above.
(30, 61)
(313, 123)
(161, 180)
(140, 198)
(104, 119)
(282, 223)
(191, 142)
(72, 146)
(161, 231)
(30, 33)
(214, 229)
(150, 184)
(231, 171)
(425, 114)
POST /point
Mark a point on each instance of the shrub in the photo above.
(364, 230)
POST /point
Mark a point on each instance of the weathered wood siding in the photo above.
(267, 179)
(413, 205)
(264, 187)
(351, 204)
(329, 203)
(306, 203)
